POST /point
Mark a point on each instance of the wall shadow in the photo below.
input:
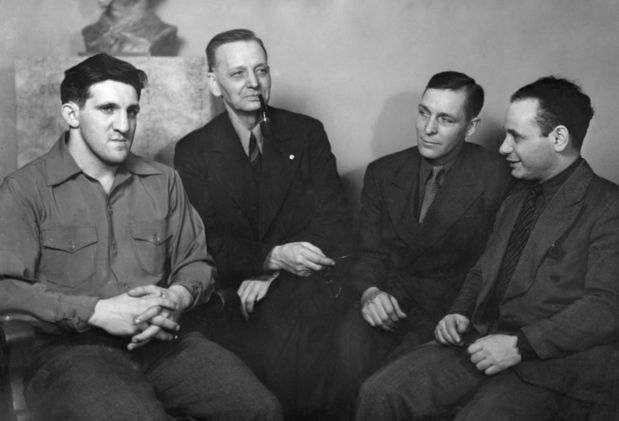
(394, 129)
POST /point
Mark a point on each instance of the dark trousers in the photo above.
(433, 380)
(288, 342)
(91, 376)
(363, 349)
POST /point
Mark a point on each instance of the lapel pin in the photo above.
(291, 157)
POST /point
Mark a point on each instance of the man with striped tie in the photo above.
(534, 326)
(275, 213)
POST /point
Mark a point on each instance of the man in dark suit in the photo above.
(420, 233)
(275, 213)
(535, 320)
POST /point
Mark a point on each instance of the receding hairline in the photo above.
(218, 48)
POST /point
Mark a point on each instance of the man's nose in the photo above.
(506, 147)
(252, 80)
(121, 123)
(431, 126)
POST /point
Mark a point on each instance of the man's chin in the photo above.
(116, 159)
(428, 153)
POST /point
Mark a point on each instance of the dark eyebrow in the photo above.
(512, 132)
(453, 117)
(134, 107)
(108, 105)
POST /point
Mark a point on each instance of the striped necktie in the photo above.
(254, 156)
(517, 242)
(432, 187)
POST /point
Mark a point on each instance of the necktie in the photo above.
(517, 241)
(254, 156)
(430, 193)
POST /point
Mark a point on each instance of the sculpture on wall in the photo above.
(130, 27)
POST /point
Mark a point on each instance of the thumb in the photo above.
(396, 306)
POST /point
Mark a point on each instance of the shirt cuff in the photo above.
(73, 312)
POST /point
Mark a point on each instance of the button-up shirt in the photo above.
(77, 244)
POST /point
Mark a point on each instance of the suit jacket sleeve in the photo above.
(371, 266)
(471, 288)
(467, 296)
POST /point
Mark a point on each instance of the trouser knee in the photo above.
(261, 407)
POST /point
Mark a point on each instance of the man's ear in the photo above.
(71, 112)
(472, 126)
(213, 86)
(560, 138)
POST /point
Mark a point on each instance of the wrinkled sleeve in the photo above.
(191, 265)
(371, 267)
(20, 289)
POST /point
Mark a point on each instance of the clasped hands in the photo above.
(490, 354)
(144, 313)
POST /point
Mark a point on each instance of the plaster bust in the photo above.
(130, 27)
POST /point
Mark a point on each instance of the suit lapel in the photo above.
(280, 160)
(399, 199)
(460, 190)
(500, 238)
(558, 216)
(231, 166)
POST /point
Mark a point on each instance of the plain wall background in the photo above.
(360, 65)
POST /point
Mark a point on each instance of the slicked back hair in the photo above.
(227, 37)
(456, 81)
(98, 68)
(560, 102)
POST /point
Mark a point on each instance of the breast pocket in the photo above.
(68, 255)
(150, 239)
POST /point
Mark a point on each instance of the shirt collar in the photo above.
(243, 133)
(427, 165)
(61, 166)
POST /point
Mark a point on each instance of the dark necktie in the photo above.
(432, 187)
(517, 242)
(254, 156)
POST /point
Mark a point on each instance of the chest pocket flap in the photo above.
(150, 239)
(68, 254)
(70, 239)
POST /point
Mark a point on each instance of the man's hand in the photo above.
(495, 353)
(450, 328)
(117, 315)
(380, 309)
(253, 290)
(158, 319)
(302, 259)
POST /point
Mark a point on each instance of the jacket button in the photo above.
(156, 238)
(71, 246)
